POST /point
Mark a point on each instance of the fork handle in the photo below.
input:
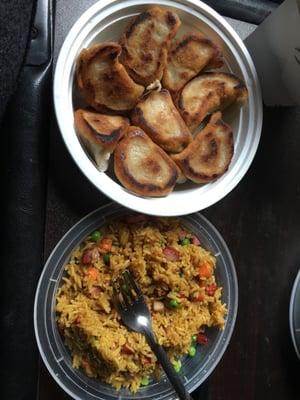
(173, 376)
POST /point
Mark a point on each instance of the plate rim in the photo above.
(296, 286)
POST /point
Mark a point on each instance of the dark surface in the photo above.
(23, 179)
(15, 21)
(259, 220)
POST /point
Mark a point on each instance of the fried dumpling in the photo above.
(146, 42)
(143, 167)
(159, 118)
(209, 155)
(188, 56)
(100, 133)
(103, 80)
(208, 93)
(181, 177)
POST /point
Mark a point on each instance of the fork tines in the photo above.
(125, 289)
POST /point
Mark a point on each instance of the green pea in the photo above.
(93, 340)
(106, 257)
(173, 303)
(177, 365)
(192, 351)
(194, 338)
(125, 288)
(96, 235)
(145, 381)
(185, 242)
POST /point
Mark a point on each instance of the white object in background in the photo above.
(275, 49)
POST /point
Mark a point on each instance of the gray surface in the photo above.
(276, 47)
(242, 28)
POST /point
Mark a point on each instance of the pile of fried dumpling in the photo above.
(147, 96)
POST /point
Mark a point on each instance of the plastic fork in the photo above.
(135, 314)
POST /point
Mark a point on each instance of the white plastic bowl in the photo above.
(106, 20)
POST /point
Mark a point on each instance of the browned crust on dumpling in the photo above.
(181, 177)
(100, 129)
(142, 167)
(103, 80)
(157, 115)
(188, 56)
(146, 42)
(208, 93)
(209, 155)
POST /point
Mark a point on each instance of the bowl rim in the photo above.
(78, 230)
(296, 287)
(175, 203)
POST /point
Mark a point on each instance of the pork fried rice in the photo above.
(176, 276)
